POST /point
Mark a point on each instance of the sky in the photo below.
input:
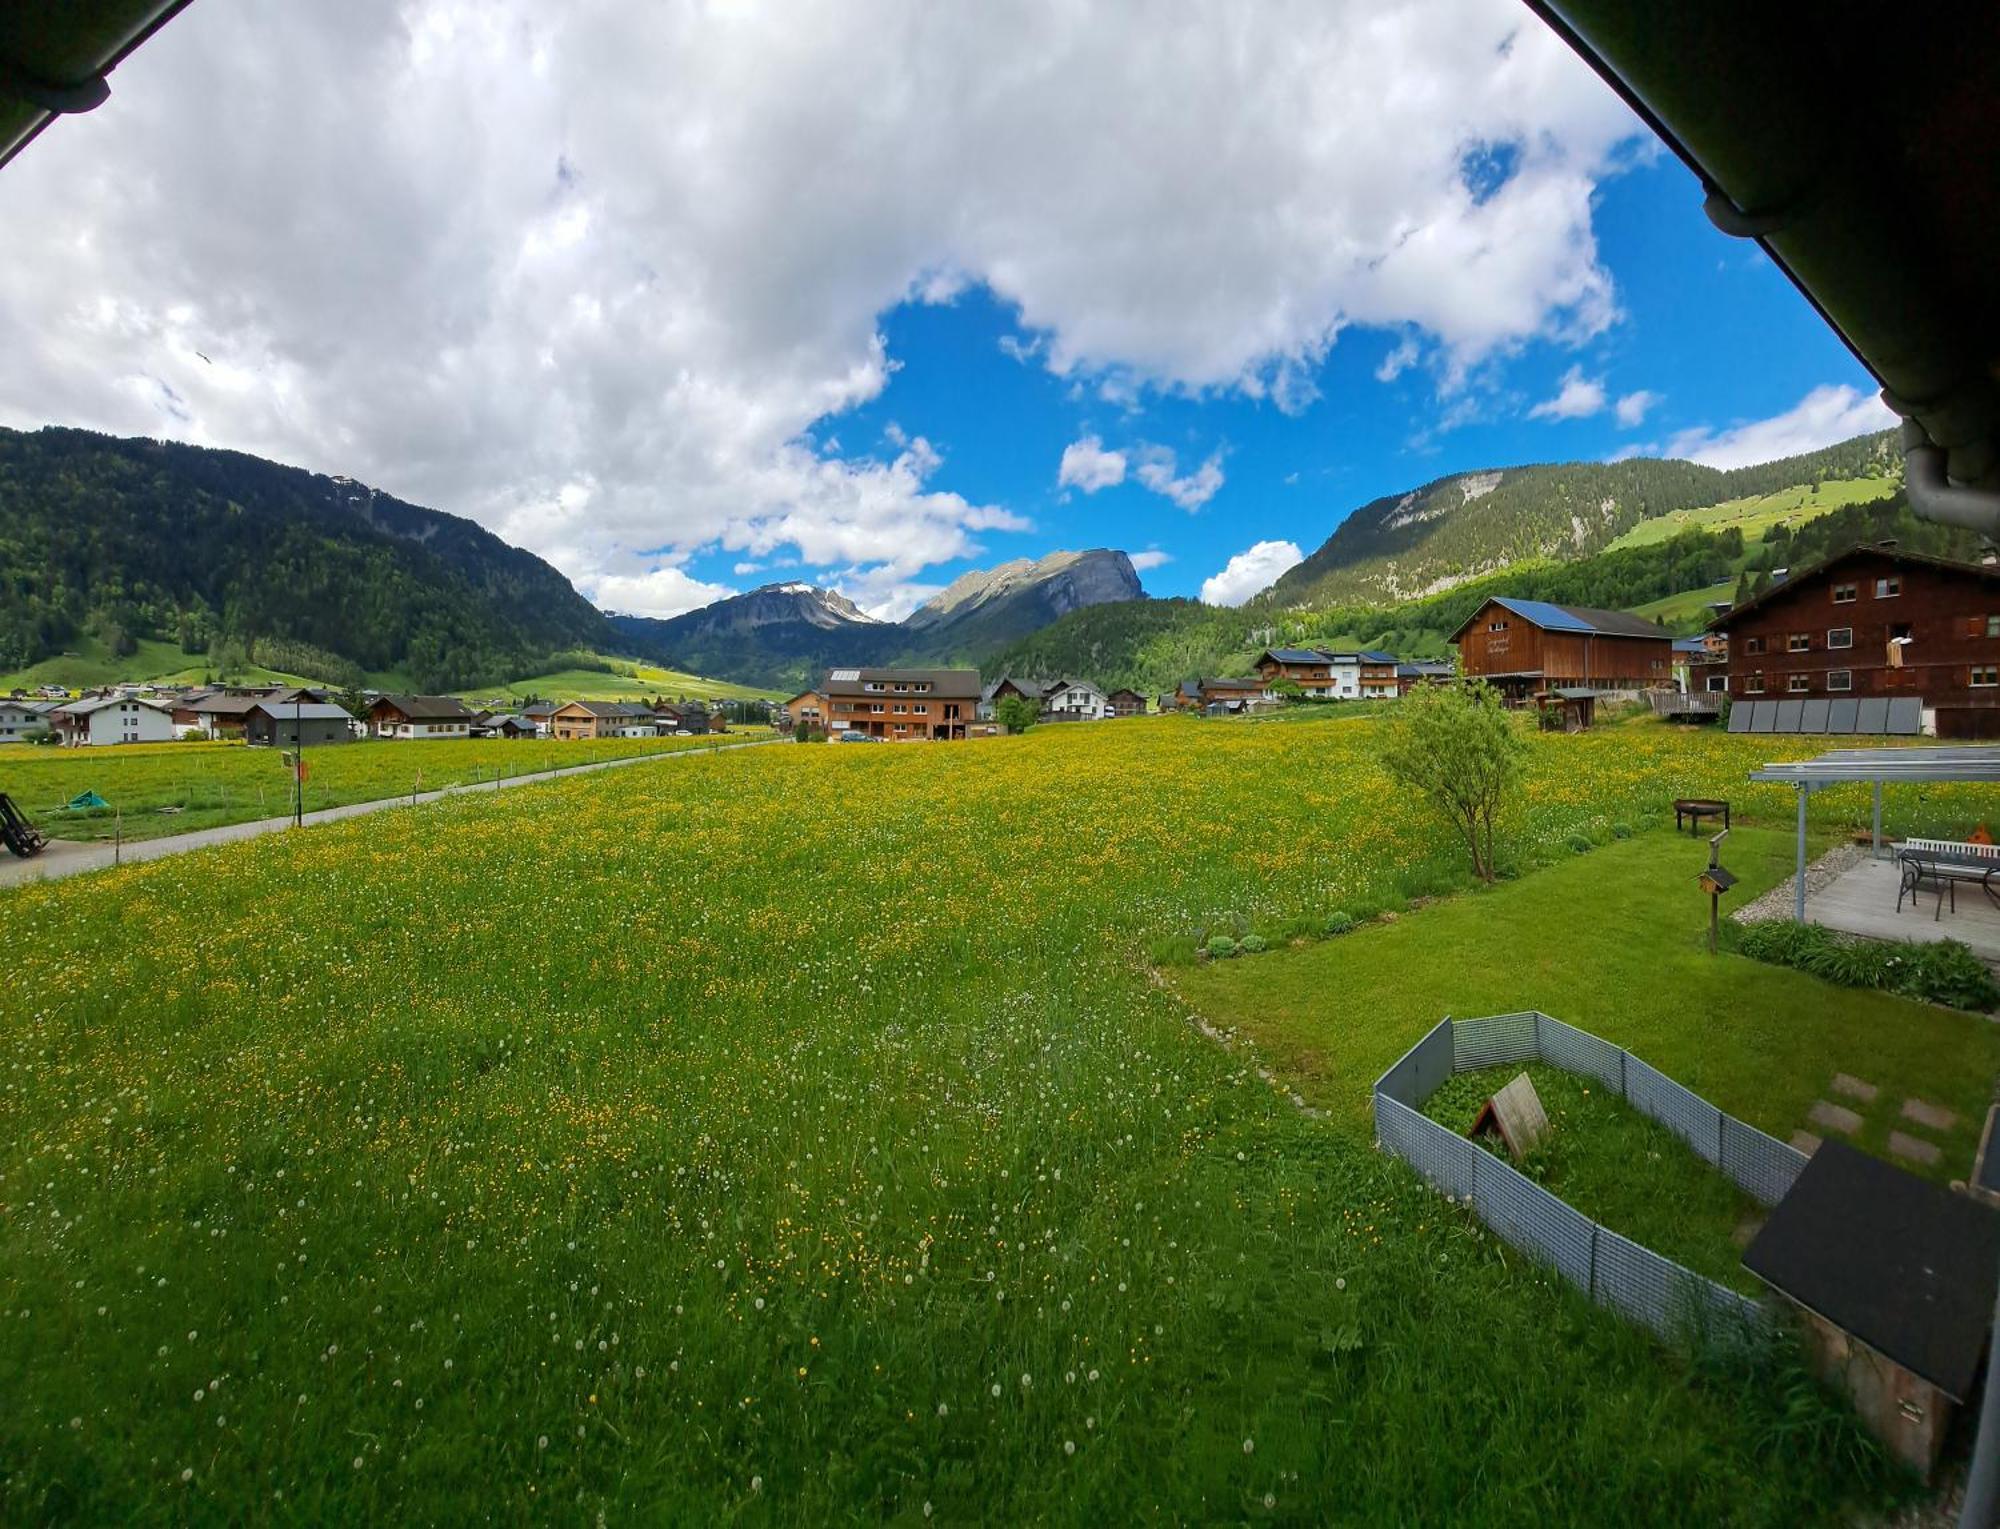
(691, 297)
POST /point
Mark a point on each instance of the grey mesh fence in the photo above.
(1614, 1271)
(1532, 1219)
(1580, 1052)
(1493, 1041)
(1689, 1116)
(1762, 1166)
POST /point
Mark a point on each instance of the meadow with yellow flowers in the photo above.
(157, 789)
(803, 1134)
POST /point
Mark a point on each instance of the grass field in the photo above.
(1758, 514)
(163, 662)
(156, 789)
(799, 1134)
(643, 681)
(1687, 611)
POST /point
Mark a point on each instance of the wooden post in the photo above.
(1799, 884)
(1714, 918)
(1878, 820)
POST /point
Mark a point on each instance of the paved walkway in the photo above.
(67, 857)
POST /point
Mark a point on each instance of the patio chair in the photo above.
(1944, 863)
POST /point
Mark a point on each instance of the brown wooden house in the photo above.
(1529, 647)
(419, 716)
(1127, 703)
(901, 704)
(1876, 621)
(806, 709)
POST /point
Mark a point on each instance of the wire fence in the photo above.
(1614, 1271)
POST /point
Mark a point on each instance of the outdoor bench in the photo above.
(1944, 863)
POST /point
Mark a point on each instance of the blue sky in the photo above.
(688, 298)
(1706, 326)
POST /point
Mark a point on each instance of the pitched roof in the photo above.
(98, 703)
(1803, 576)
(540, 709)
(1571, 618)
(1294, 655)
(1231, 684)
(305, 711)
(426, 708)
(955, 684)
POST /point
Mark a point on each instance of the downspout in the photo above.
(1932, 493)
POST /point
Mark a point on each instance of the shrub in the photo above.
(1221, 947)
(1581, 843)
(1948, 973)
(1621, 830)
(1945, 972)
(1253, 944)
(1338, 922)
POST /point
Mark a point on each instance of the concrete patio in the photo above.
(1862, 900)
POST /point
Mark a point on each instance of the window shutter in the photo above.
(1975, 626)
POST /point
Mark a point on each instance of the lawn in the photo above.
(155, 789)
(1757, 514)
(799, 1134)
(1688, 610)
(633, 681)
(92, 665)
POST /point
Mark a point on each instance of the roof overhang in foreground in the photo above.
(1882, 210)
(54, 58)
(1850, 766)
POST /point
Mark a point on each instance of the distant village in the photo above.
(289, 716)
(1873, 640)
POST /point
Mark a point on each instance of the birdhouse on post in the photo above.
(1715, 880)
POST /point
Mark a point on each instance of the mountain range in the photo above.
(782, 634)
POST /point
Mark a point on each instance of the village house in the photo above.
(419, 716)
(1526, 648)
(1216, 696)
(1876, 621)
(288, 723)
(574, 720)
(1126, 703)
(112, 719)
(905, 704)
(1701, 664)
(1331, 674)
(503, 724)
(1409, 675)
(17, 720)
(537, 715)
(995, 691)
(806, 709)
(1074, 701)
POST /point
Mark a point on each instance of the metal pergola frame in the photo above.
(1877, 767)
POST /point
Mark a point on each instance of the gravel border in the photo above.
(1820, 874)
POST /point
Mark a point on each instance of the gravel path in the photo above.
(66, 857)
(1820, 874)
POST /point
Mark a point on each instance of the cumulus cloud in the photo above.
(1632, 408)
(1250, 572)
(1398, 361)
(1579, 397)
(1088, 466)
(1152, 557)
(1828, 414)
(593, 273)
(1158, 472)
(662, 592)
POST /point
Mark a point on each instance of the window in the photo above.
(1797, 683)
(1798, 642)
(1985, 674)
(1889, 588)
(1993, 626)
(1753, 682)
(1840, 637)
(1845, 594)
(1496, 626)
(1719, 682)
(1839, 679)
(1753, 645)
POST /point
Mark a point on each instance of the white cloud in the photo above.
(1088, 466)
(1828, 414)
(1152, 557)
(1250, 572)
(661, 592)
(1398, 360)
(1632, 408)
(1157, 468)
(482, 255)
(744, 570)
(1579, 397)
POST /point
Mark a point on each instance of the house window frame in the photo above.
(1889, 587)
(1753, 645)
(1839, 679)
(1798, 684)
(1753, 682)
(1846, 594)
(1993, 626)
(1845, 634)
(1798, 642)
(1992, 673)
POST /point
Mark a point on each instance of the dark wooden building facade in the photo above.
(1876, 621)
(1528, 647)
(901, 704)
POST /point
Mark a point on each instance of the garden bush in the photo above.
(1338, 922)
(1221, 947)
(1945, 972)
(1253, 944)
(1621, 830)
(1581, 843)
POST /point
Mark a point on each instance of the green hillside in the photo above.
(1759, 513)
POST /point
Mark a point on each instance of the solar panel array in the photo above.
(1901, 715)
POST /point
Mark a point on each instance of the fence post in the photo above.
(1594, 1230)
(118, 837)
(1623, 1093)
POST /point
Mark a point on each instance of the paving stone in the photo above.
(1833, 1117)
(1854, 1088)
(1936, 1116)
(1911, 1149)
(1806, 1142)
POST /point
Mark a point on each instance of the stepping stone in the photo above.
(1746, 1231)
(1854, 1088)
(1911, 1149)
(1806, 1142)
(1936, 1116)
(1833, 1117)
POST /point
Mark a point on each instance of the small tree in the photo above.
(1457, 745)
(1016, 713)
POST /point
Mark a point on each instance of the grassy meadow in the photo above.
(804, 1134)
(155, 789)
(1760, 512)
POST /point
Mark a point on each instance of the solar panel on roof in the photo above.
(1550, 617)
(844, 674)
(1788, 717)
(1739, 717)
(1873, 716)
(1906, 715)
(1840, 716)
(1812, 717)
